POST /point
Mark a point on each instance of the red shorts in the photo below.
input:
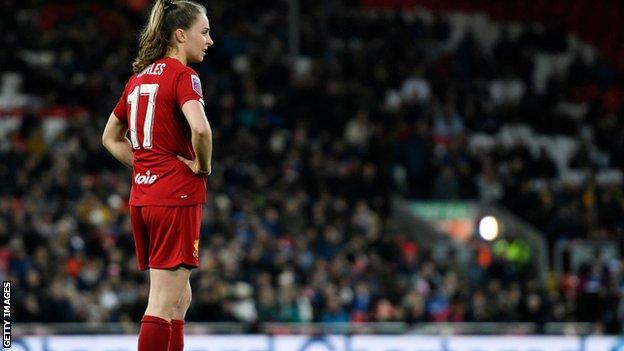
(166, 237)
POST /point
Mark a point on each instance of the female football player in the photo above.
(169, 150)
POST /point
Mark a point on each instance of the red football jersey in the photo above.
(151, 107)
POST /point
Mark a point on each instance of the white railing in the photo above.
(263, 342)
(397, 328)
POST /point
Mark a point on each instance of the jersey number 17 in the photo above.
(133, 99)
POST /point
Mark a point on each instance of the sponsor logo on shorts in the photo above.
(145, 179)
(196, 248)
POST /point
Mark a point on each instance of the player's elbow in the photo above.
(106, 141)
(202, 131)
(208, 171)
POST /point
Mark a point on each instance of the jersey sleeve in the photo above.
(188, 87)
(120, 109)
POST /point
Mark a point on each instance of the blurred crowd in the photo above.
(308, 153)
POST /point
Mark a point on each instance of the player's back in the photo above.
(152, 108)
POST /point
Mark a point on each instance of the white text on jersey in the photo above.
(153, 69)
(145, 179)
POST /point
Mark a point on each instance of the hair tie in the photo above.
(168, 4)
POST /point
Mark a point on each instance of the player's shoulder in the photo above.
(130, 81)
(187, 71)
(178, 67)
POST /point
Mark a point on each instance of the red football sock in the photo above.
(154, 334)
(176, 343)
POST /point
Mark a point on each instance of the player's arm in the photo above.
(201, 137)
(115, 141)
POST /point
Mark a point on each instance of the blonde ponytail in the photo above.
(166, 16)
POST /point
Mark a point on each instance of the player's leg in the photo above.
(183, 303)
(176, 343)
(173, 242)
(189, 225)
(166, 286)
(153, 328)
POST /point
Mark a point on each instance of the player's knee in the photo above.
(185, 300)
(167, 313)
(163, 307)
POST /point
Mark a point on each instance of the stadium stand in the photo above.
(309, 151)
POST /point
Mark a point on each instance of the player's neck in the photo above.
(178, 56)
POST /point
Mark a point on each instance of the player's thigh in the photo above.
(166, 286)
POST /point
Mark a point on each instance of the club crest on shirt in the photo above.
(196, 84)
